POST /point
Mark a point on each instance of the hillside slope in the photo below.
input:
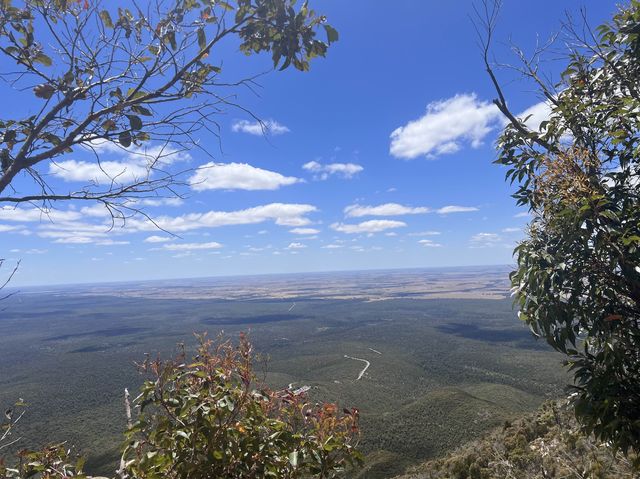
(544, 445)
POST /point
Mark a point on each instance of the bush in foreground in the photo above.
(211, 418)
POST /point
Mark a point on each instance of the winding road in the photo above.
(367, 364)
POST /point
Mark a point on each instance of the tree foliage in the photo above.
(577, 282)
(212, 417)
(144, 77)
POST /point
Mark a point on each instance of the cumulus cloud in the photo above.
(11, 228)
(93, 225)
(70, 238)
(268, 127)
(160, 202)
(445, 210)
(110, 242)
(64, 226)
(371, 226)
(158, 239)
(99, 173)
(237, 176)
(192, 246)
(445, 128)
(387, 209)
(133, 164)
(147, 154)
(333, 246)
(323, 171)
(26, 215)
(304, 231)
(283, 214)
(429, 244)
(425, 233)
(485, 240)
(296, 246)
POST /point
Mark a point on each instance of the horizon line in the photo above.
(14, 289)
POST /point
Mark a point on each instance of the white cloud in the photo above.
(110, 242)
(445, 210)
(68, 226)
(333, 246)
(99, 173)
(371, 226)
(425, 233)
(268, 127)
(161, 202)
(192, 246)
(134, 163)
(237, 176)
(296, 246)
(70, 238)
(304, 231)
(283, 214)
(255, 249)
(387, 209)
(324, 171)
(445, 128)
(25, 215)
(429, 244)
(484, 240)
(511, 230)
(144, 155)
(158, 239)
(93, 225)
(8, 228)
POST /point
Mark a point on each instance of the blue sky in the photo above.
(379, 157)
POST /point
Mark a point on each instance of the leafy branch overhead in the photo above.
(146, 79)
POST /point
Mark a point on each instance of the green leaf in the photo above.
(170, 38)
(141, 110)
(135, 122)
(109, 125)
(106, 19)
(143, 136)
(125, 139)
(332, 34)
(44, 90)
(43, 59)
(202, 39)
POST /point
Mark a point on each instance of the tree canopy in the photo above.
(144, 77)
(577, 282)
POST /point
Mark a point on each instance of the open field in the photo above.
(445, 357)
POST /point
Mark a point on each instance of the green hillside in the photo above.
(546, 444)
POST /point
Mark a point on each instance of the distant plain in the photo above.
(448, 359)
